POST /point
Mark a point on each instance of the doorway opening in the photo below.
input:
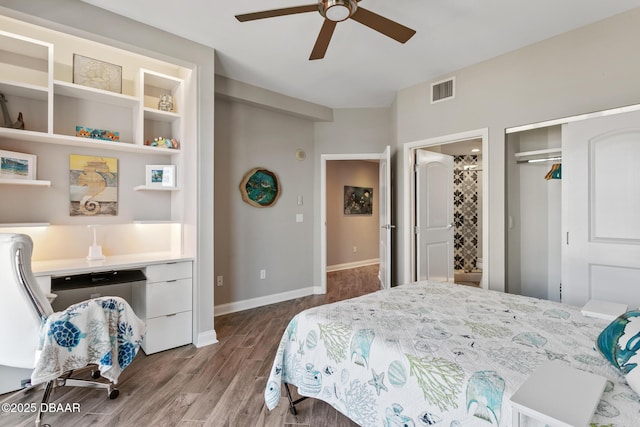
(381, 202)
(464, 189)
(461, 239)
(352, 187)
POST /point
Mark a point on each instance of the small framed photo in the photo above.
(161, 176)
(17, 165)
(97, 74)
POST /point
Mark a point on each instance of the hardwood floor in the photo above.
(218, 385)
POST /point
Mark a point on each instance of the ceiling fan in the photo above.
(335, 11)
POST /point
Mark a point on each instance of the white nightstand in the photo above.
(558, 395)
(603, 309)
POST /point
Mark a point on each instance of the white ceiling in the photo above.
(362, 68)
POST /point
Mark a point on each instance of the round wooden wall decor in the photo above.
(260, 188)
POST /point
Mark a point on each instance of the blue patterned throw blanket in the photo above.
(103, 331)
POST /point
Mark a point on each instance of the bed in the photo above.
(432, 353)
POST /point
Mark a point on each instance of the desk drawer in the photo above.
(168, 297)
(167, 332)
(171, 271)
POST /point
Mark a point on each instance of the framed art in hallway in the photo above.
(358, 200)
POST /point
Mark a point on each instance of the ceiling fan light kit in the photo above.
(337, 10)
(334, 11)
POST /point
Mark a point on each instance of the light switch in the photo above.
(299, 218)
(300, 200)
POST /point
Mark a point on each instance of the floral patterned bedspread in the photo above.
(439, 354)
(103, 331)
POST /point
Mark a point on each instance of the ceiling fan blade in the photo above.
(383, 25)
(277, 12)
(322, 42)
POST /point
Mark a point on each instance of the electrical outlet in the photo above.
(219, 281)
(263, 274)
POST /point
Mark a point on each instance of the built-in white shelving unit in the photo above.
(154, 226)
(38, 81)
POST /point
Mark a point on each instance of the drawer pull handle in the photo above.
(171, 281)
(171, 315)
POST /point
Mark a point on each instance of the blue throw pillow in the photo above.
(619, 343)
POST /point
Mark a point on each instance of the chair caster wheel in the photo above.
(114, 393)
(95, 374)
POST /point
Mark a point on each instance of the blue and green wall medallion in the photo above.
(260, 188)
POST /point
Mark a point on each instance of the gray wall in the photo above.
(255, 127)
(589, 69)
(250, 239)
(352, 131)
(344, 232)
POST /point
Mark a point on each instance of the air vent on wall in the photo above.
(443, 90)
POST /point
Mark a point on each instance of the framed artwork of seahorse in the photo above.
(93, 185)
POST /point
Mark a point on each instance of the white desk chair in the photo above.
(24, 310)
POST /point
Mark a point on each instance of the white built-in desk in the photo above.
(64, 267)
(164, 301)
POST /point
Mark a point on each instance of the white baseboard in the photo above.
(206, 338)
(355, 264)
(248, 304)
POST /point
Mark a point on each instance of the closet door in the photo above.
(601, 210)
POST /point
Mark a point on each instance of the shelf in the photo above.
(24, 224)
(34, 182)
(159, 80)
(145, 188)
(95, 95)
(24, 46)
(155, 222)
(24, 90)
(74, 141)
(160, 116)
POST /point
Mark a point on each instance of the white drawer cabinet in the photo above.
(165, 332)
(165, 304)
(170, 297)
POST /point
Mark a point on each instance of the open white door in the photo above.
(384, 273)
(434, 216)
(600, 204)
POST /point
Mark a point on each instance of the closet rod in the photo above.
(547, 159)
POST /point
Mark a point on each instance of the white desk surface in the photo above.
(559, 395)
(62, 267)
